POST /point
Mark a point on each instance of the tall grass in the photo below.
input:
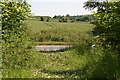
(59, 32)
(81, 61)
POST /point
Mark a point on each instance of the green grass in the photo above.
(75, 63)
(59, 32)
(68, 64)
(59, 65)
(82, 61)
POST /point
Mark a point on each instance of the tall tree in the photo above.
(67, 15)
(55, 16)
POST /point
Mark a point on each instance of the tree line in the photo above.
(67, 18)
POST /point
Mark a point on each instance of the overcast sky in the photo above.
(58, 7)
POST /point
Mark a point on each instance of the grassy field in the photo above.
(79, 62)
(68, 64)
(59, 32)
(60, 65)
(82, 61)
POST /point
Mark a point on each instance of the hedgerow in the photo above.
(16, 45)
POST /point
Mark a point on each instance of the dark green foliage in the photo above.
(68, 18)
(104, 66)
(63, 19)
(38, 17)
(60, 20)
(59, 16)
(72, 20)
(47, 20)
(41, 19)
(16, 46)
(107, 30)
(55, 16)
(93, 21)
(108, 24)
(67, 15)
(85, 18)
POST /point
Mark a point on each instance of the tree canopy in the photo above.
(107, 26)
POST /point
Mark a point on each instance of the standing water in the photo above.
(51, 47)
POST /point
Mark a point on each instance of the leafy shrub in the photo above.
(107, 27)
(108, 23)
(16, 46)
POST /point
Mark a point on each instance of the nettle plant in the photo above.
(16, 46)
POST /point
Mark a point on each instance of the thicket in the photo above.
(107, 30)
(16, 45)
(108, 24)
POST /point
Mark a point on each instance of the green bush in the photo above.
(16, 45)
(107, 30)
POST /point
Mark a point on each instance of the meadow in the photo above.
(60, 64)
(59, 32)
(82, 61)
(91, 56)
